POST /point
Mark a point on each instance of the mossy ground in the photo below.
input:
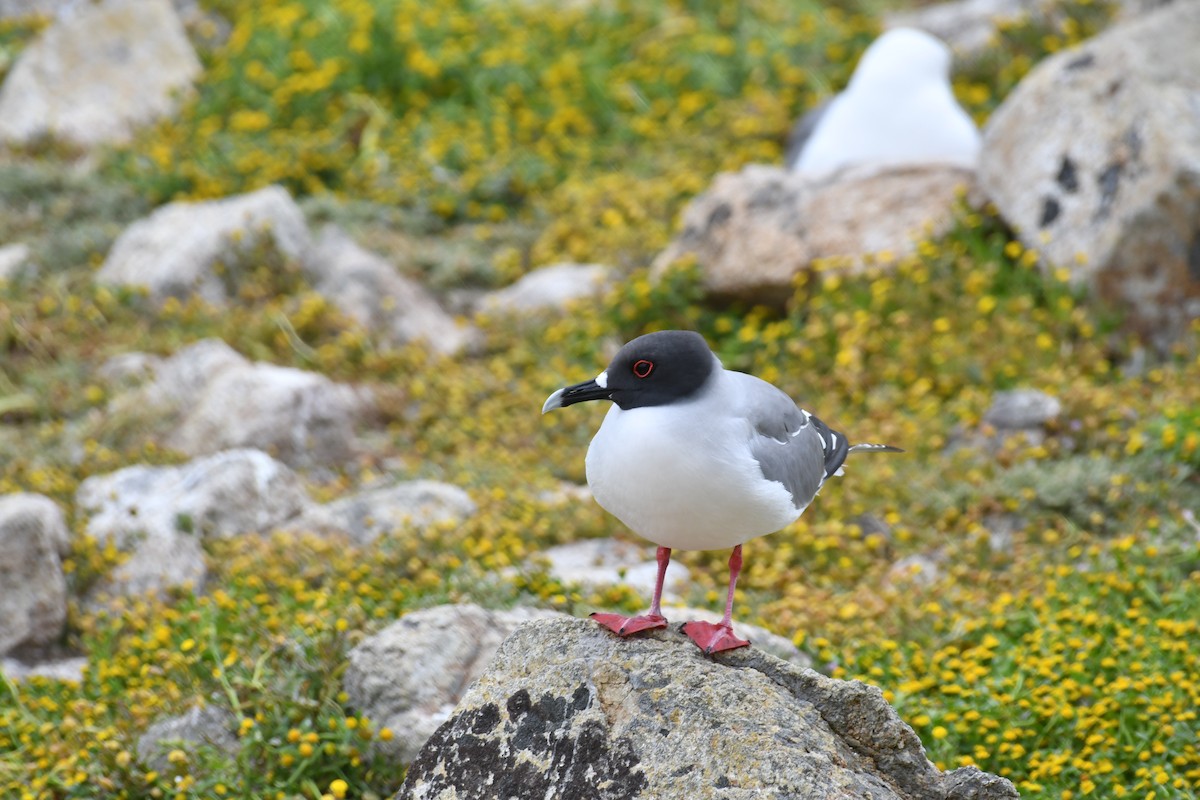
(475, 142)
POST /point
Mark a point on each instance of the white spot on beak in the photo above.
(602, 380)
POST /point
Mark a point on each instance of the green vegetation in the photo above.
(480, 140)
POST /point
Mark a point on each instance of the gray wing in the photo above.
(790, 445)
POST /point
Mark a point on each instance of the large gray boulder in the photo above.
(33, 590)
(409, 676)
(754, 230)
(368, 289)
(1095, 159)
(567, 710)
(185, 248)
(101, 70)
(160, 515)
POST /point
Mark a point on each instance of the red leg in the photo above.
(623, 626)
(714, 638)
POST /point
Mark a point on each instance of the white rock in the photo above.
(183, 248)
(33, 590)
(596, 563)
(378, 511)
(365, 287)
(302, 418)
(159, 515)
(409, 676)
(898, 110)
(218, 400)
(98, 72)
(14, 262)
(1095, 159)
(1022, 408)
(549, 288)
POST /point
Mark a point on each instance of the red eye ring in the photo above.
(642, 368)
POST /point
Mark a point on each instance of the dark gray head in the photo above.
(651, 370)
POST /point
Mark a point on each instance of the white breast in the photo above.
(683, 477)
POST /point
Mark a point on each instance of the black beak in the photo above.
(580, 392)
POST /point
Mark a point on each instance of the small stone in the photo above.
(1018, 409)
(33, 589)
(199, 726)
(551, 288)
(378, 511)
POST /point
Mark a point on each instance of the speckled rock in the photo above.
(186, 249)
(393, 308)
(1095, 159)
(160, 514)
(380, 510)
(409, 676)
(567, 710)
(101, 70)
(754, 230)
(33, 590)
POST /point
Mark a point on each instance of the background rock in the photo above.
(1018, 409)
(378, 511)
(200, 725)
(33, 590)
(98, 72)
(1119, 206)
(14, 262)
(365, 287)
(302, 418)
(160, 514)
(198, 248)
(409, 676)
(754, 230)
(595, 563)
(548, 288)
(208, 398)
(567, 710)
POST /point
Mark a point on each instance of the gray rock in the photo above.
(1018, 409)
(1001, 528)
(754, 230)
(409, 676)
(213, 399)
(184, 249)
(378, 511)
(595, 563)
(1095, 159)
(567, 710)
(33, 590)
(302, 418)
(101, 70)
(549, 288)
(15, 263)
(365, 287)
(68, 670)
(199, 726)
(160, 514)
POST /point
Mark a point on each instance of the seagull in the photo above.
(692, 456)
(898, 109)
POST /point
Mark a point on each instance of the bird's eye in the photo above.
(643, 368)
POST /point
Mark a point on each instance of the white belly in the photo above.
(681, 484)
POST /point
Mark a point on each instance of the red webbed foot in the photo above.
(623, 626)
(712, 638)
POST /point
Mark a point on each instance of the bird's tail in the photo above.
(875, 448)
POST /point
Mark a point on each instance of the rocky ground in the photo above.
(275, 328)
